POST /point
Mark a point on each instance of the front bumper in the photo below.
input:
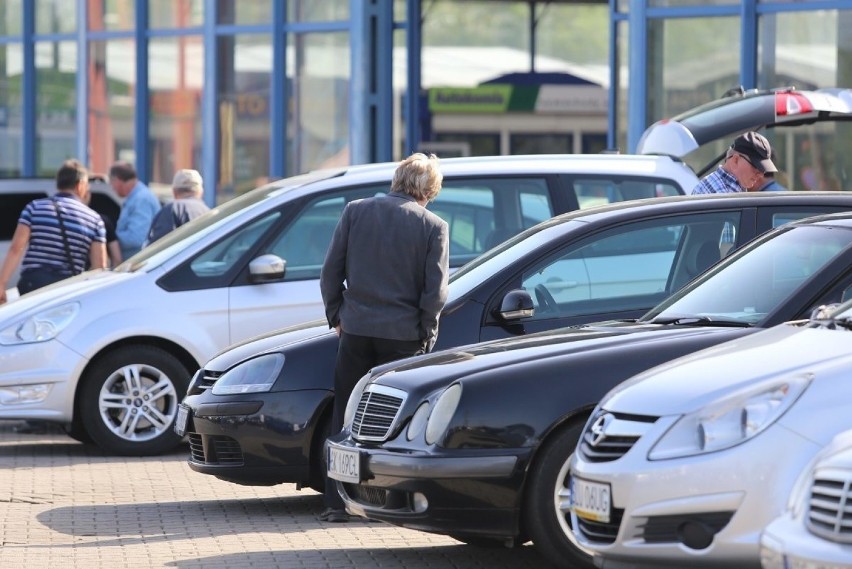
(786, 543)
(255, 439)
(48, 368)
(699, 511)
(458, 492)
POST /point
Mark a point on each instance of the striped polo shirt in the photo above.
(46, 249)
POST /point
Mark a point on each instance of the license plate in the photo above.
(590, 500)
(344, 464)
(181, 420)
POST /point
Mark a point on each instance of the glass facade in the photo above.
(111, 103)
(246, 91)
(243, 103)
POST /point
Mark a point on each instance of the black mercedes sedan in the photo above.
(475, 442)
(258, 413)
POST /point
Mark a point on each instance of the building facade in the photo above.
(251, 90)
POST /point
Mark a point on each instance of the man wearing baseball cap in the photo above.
(746, 162)
(187, 189)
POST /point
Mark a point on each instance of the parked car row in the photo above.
(479, 442)
(612, 262)
(519, 427)
(109, 354)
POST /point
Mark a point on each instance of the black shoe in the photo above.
(334, 516)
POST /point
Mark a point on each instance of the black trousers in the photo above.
(356, 355)
(31, 279)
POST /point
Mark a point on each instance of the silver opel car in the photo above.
(686, 463)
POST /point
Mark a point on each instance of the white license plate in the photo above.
(590, 500)
(344, 464)
(181, 420)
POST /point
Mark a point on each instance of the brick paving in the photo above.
(64, 505)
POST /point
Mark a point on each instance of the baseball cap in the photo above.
(756, 149)
(187, 179)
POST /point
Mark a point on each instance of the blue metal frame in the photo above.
(371, 30)
(28, 93)
(140, 117)
(413, 41)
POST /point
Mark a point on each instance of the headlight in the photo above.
(729, 421)
(418, 421)
(442, 413)
(256, 375)
(355, 398)
(41, 327)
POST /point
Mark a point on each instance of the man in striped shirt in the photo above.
(57, 237)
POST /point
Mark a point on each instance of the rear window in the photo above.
(11, 206)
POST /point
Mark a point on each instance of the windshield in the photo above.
(196, 230)
(753, 284)
(482, 268)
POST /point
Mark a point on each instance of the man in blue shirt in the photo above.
(747, 160)
(137, 213)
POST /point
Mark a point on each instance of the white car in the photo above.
(686, 463)
(816, 530)
(109, 354)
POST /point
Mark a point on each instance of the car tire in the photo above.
(133, 420)
(546, 516)
(316, 476)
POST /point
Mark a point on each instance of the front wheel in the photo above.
(547, 514)
(129, 400)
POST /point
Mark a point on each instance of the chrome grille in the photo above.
(203, 380)
(599, 532)
(609, 436)
(830, 506)
(213, 450)
(377, 413)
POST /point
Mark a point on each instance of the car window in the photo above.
(592, 192)
(627, 267)
(223, 256)
(482, 213)
(759, 280)
(12, 205)
(304, 241)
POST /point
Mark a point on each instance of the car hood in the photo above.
(314, 330)
(689, 383)
(435, 370)
(751, 110)
(65, 290)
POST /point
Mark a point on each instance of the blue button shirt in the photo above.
(137, 213)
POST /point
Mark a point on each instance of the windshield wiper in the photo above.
(700, 321)
(845, 322)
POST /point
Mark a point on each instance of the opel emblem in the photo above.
(598, 428)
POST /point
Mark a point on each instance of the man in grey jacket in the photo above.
(384, 283)
(187, 189)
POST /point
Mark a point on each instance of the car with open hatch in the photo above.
(256, 423)
(476, 442)
(686, 463)
(109, 354)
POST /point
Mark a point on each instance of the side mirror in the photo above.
(267, 268)
(516, 304)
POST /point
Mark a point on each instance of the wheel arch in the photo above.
(576, 416)
(186, 359)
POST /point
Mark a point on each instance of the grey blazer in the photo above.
(385, 271)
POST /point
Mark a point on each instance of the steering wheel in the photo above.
(545, 300)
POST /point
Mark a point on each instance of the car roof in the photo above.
(744, 110)
(513, 164)
(640, 207)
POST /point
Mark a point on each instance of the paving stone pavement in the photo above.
(64, 505)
